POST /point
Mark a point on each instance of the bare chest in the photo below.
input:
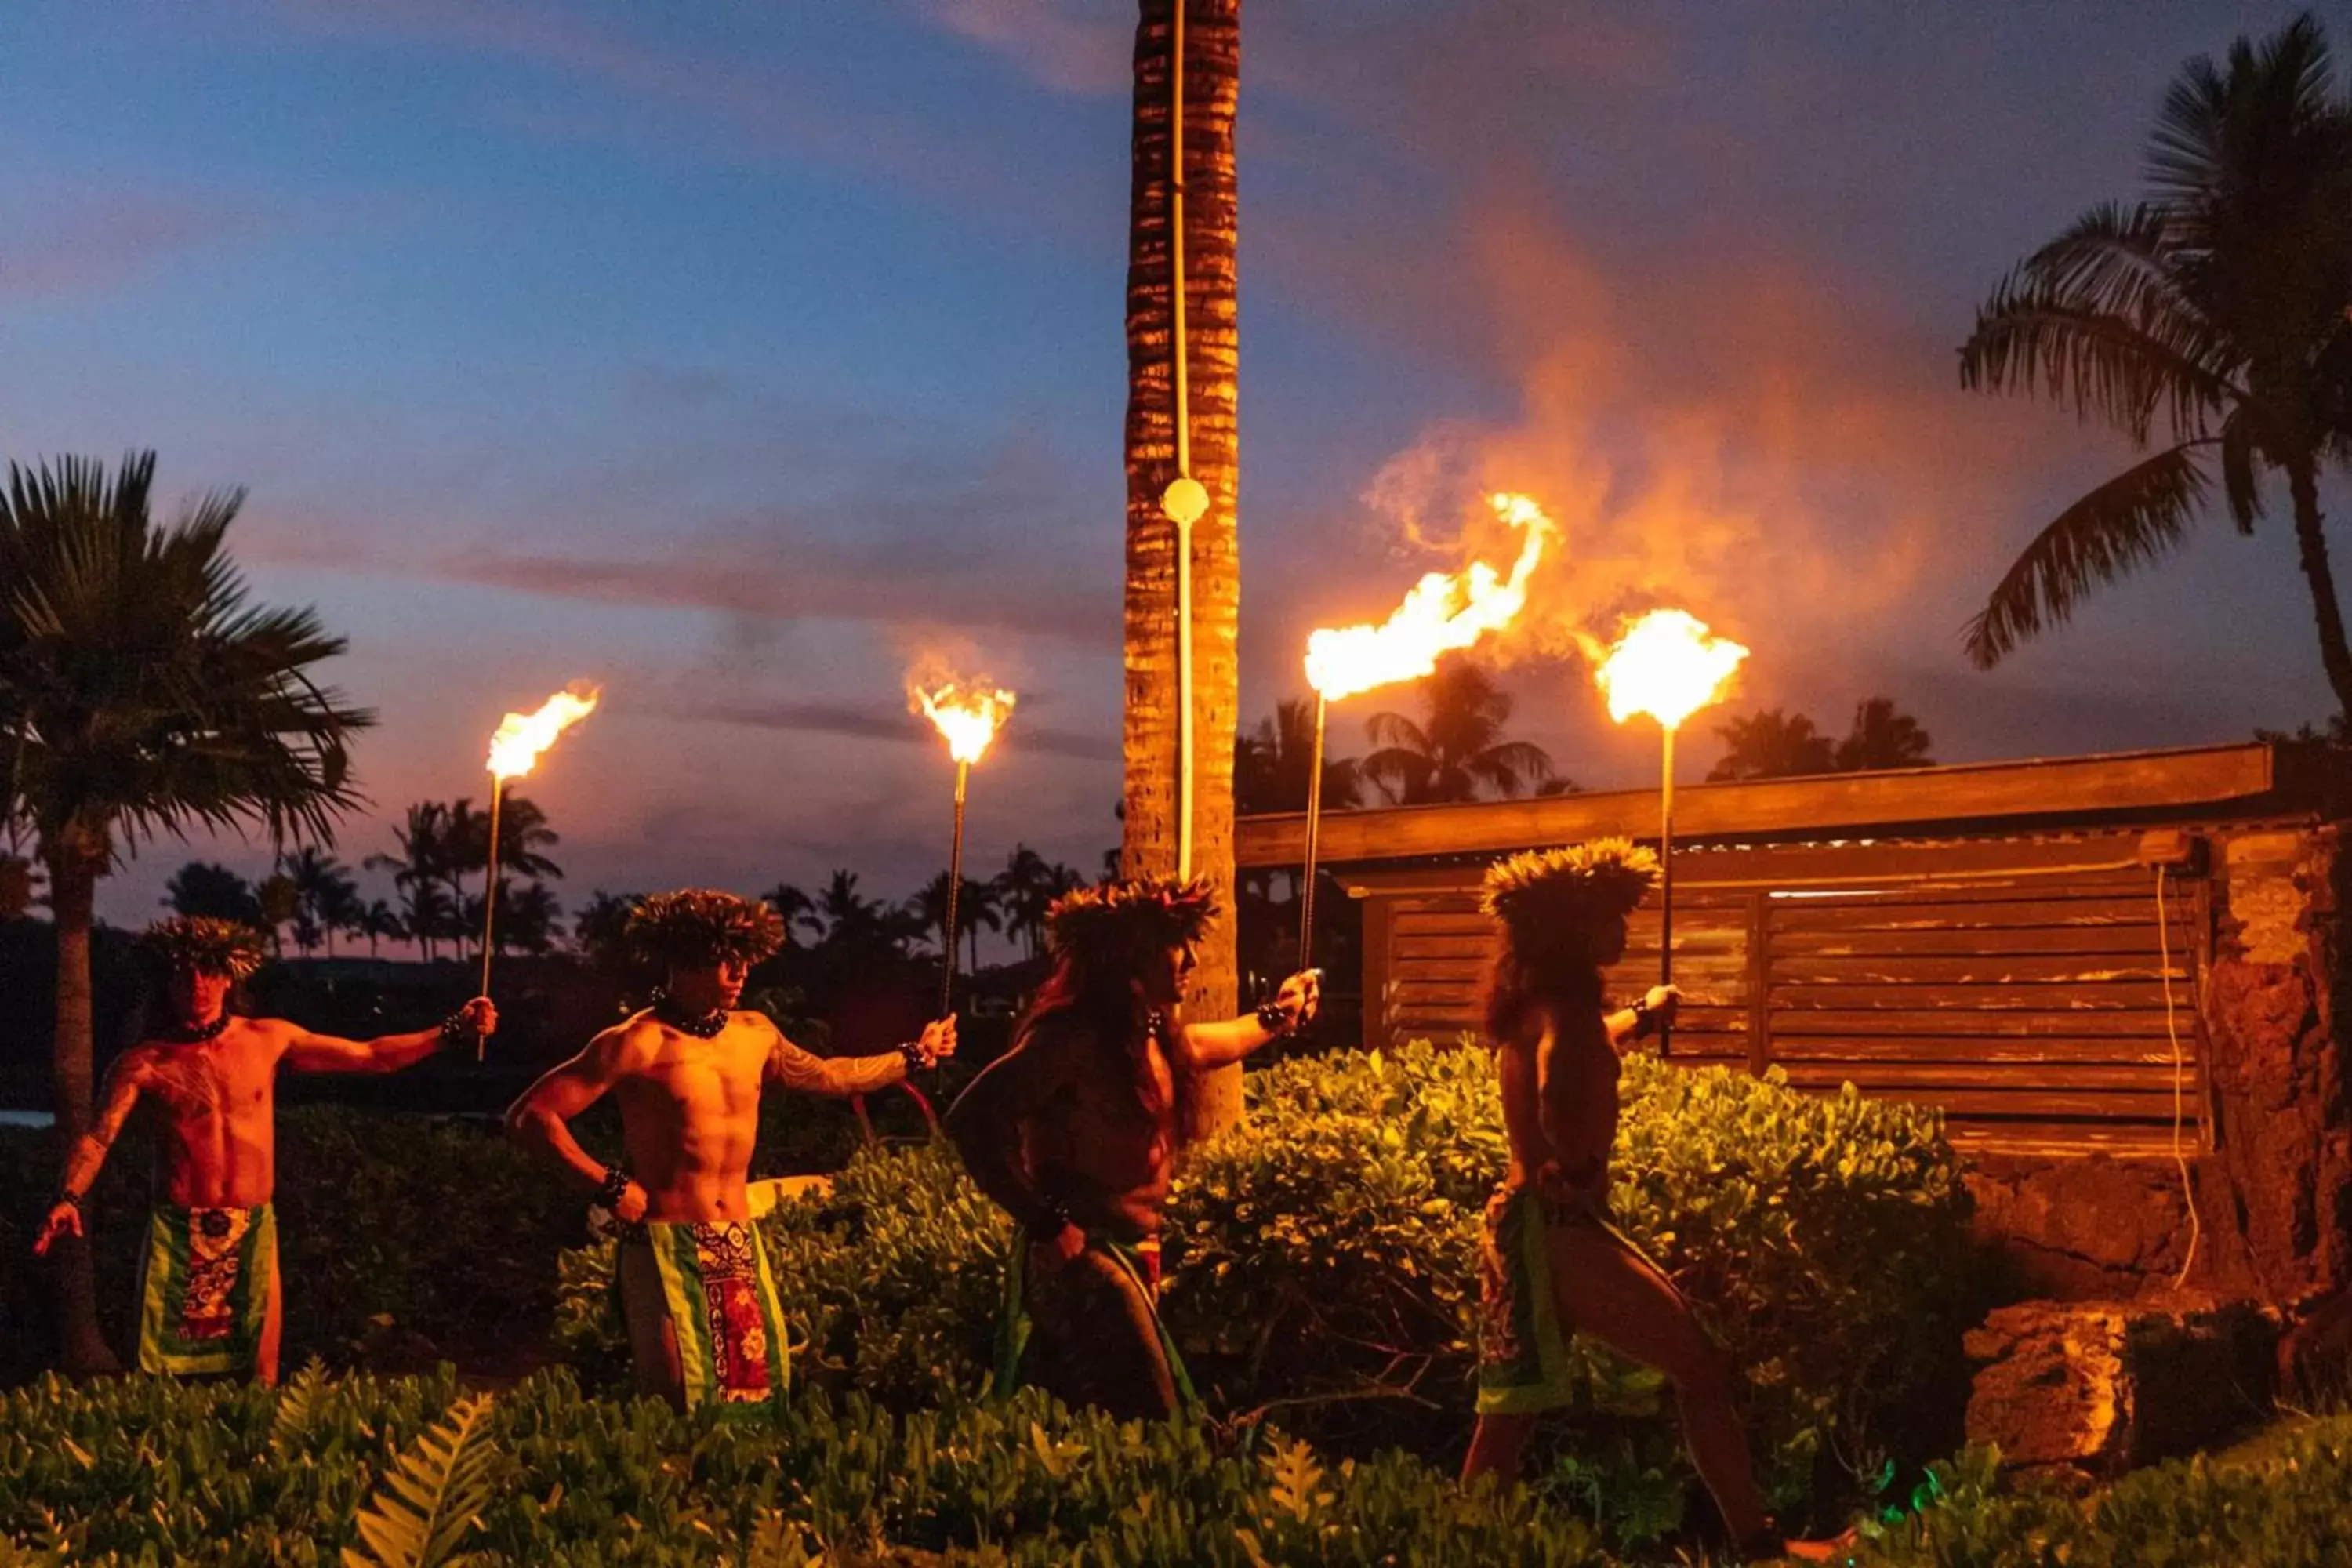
(231, 1081)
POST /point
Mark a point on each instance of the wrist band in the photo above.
(915, 1057)
(71, 1200)
(1272, 1019)
(1643, 1019)
(613, 1188)
(456, 1031)
(1052, 1218)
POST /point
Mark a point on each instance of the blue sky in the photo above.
(735, 354)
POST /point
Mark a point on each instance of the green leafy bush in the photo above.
(1323, 1271)
(218, 1476)
(2285, 1509)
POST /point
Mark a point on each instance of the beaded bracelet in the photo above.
(1272, 1019)
(613, 1188)
(456, 1031)
(912, 1053)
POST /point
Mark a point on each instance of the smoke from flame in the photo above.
(1667, 665)
(1444, 612)
(967, 712)
(522, 737)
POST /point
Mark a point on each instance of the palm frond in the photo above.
(2092, 319)
(428, 1501)
(2241, 482)
(2124, 524)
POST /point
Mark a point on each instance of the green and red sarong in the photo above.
(721, 1302)
(204, 1289)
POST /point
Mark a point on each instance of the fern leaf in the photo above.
(298, 1408)
(428, 1501)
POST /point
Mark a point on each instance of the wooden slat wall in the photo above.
(2033, 1009)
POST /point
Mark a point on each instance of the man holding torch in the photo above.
(1073, 1132)
(1553, 1262)
(688, 1072)
(209, 1297)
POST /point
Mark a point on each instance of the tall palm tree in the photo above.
(323, 892)
(1772, 744)
(529, 918)
(1271, 765)
(1457, 749)
(417, 872)
(1883, 736)
(201, 888)
(149, 696)
(977, 904)
(380, 921)
(1210, 357)
(2215, 309)
(794, 907)
(1026, 890)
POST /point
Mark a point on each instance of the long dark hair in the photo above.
(1095, 994)
(1555, 965)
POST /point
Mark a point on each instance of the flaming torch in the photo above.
(514, 750)
(1669, 666)
(968, 715)
(1444, 612)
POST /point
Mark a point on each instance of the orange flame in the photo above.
(1667, 665)
(1444, 611)
(967, 712)
(522, 737)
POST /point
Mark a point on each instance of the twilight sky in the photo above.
(734, 355)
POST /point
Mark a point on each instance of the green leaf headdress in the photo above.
(1130, 915)
(1571, 886)
(206, 945)
(698, 926)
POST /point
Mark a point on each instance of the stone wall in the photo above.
(2275, 1195)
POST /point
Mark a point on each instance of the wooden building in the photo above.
(2036, 947)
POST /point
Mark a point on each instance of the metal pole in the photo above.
(1179, 347)
(1666, 880)
(1314, 832)
(955, 891)
(490, 895)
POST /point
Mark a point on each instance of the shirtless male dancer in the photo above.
(688, 1072)
(1073, 1132)
(1553, 1262)
(209, 1299)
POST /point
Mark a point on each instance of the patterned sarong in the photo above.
(721, 1301)
(1523, 1365)
(1015, 1322)
(204, 1289)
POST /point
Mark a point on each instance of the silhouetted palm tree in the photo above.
(529, 918)
(380, 921)
(201, 888)
(1771, 744)
(325, 900)
(1882, 736)
(144, 694)
(2216, 308)
(1457, 750)
(1025, 890)
(1271, 765)
(794, 907)
(418, 872)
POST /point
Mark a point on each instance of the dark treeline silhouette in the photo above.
(1772, 744)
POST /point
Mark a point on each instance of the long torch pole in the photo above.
(490, 895)
(1314, 832)
(1666, 880)
(955, 891)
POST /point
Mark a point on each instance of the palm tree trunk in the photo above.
(1211, 89)
(2334, 654)
(73, 895)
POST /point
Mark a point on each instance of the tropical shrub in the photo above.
(1323, 1271)
(2284, 1508)
(404, 1470)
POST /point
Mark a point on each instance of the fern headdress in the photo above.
(206, 945)
(699, 926)
(1571, 886)
(1131, 914)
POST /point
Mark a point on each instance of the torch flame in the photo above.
(1444, 612)
(967, 712)
(522, 737)
(1667, 665)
